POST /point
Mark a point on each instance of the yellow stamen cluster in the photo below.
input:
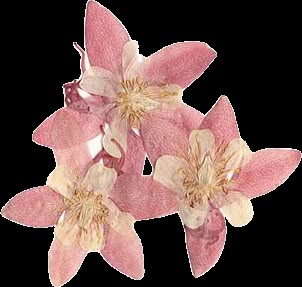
(85, 208)
(138, 98)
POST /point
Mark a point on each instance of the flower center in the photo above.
(207, 176)
(138, 98)
(85, 208)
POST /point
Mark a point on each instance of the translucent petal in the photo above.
(193, 217)
(201, 141)
(62, 180)
(168, 170)
(240, 212)
(99, 179)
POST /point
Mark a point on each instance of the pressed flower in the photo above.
(133, 86)
(85, 220)
(215, 172)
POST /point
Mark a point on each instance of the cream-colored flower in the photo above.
(131, 96)
(205, 176)
(87, 207)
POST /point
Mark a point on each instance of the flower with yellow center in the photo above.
(204, 177)
(129, 95)
(87, 207)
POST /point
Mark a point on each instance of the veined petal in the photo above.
(64, 261)
(167, 172)
(121, 222)
(62, 180)
(240, 212)
(99, 81)
(238, 154)
(143, 197)
(92, 239)
(180, 63)
(267, 169)
(125, 253)
(221, 121)
(130, 60)
(105, 37)
(205, 244)
(117, 131)
(36, 207)
(66, 128)
(67, 229)
(201, 141)
(99, 179)
(193, 217)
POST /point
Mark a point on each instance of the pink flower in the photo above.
(214, 174)
(134, 87)
(85, 220)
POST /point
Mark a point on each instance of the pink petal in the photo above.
(105, 37)
(221, 121)
(124, 253)
(205, 244)
(143, 197)
(35, 207)
(180, 63)
(267, 169)
(77, 158)
(135, 154)
(64, 261)
(66, 128)
(167, 131)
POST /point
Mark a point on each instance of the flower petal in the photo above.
(36, 207)
(240, 212)
(167, 171)
(267, 169)
(99, 179)
(62, 180)
(143, 197)
(77, 158)
(201, 141)
(166, 131)
(64, 261)
(92, 239)
(205, 244)
(66, 128)
(135, 155)
(99, 81)
(221, 121)
(130, 60)
(193, 217)
(124, 253)
(105, 37)
(238, 154)
(180, 63)
(121, 222)
(118, 130)
(67, 230)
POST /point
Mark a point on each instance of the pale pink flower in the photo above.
(85, 220)
(134, 87)
(214, 174)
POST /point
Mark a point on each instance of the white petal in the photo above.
(99, 179)
(201, 141)
(238, 153)
(118, 131)
(100, 82)
(67, 230)
(131, 60)
(62, 180)
(92, 239)
(121, 222)
(168, 170)
(193, 217)
(240, 212)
